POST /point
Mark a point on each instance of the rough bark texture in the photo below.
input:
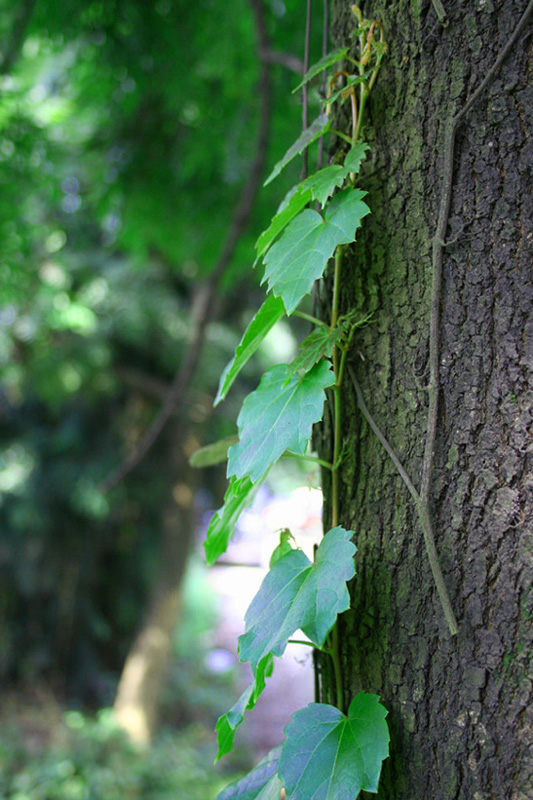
(458, 706)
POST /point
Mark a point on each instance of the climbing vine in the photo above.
(329, 751)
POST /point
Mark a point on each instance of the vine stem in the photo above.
(337, 436)
(305, 90)
(335, 655)
(315, 459)
(310, 318)
(336, 393)
(436, 297)
(437, 257)
(423, 515)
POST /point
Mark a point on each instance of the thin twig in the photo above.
(437, 256)
(287, 60)
(325, 39)
(207, 294)
(422, 499)
(424, 517)
(305, 90)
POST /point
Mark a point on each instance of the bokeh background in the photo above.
(131, 136)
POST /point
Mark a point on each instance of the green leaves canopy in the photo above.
(299, 594)
(278, 416)
(299, 258)
(328, 756)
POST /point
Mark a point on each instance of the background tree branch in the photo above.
(205, 300)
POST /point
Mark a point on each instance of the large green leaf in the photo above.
(319, 186)
(239, 494)
(270, 312)
(262, 783)
(278, 416)
(307, 137)
(324, 63)
(329, 756)
(299, 258)
(299, 198)
(299, 594)
(228, 723)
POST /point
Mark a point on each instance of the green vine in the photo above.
(325, 746)
(326, 752)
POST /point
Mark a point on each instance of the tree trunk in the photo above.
(458, 705)
(144, 672)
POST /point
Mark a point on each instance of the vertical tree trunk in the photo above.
(458, 705)
(145, 669)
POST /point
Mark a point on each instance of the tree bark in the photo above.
(458, 705)
(145, 670)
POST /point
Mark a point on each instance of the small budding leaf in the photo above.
(317, 345)
(262, 783)
(283, 547)
(239, 494)
(307, 137)
(212, 454)
(353, 80)
(327, 755)
(299, 594)
(270, 312)
(278, 416)
(299, 258)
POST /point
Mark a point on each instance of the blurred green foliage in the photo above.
(124, 127)
(94, 761)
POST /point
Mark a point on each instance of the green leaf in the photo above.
(319, 187)
(355, 157)
(278, 416)
(324, 63)
(307, 137)
(299, 258)
(283, 547)
(298, 200)
(328, 756)
(299, 594)
(262, 783)
(324, 182)
(212, 454)
(228, 723)
(270, 312)
(317, 345)
(239, 494)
